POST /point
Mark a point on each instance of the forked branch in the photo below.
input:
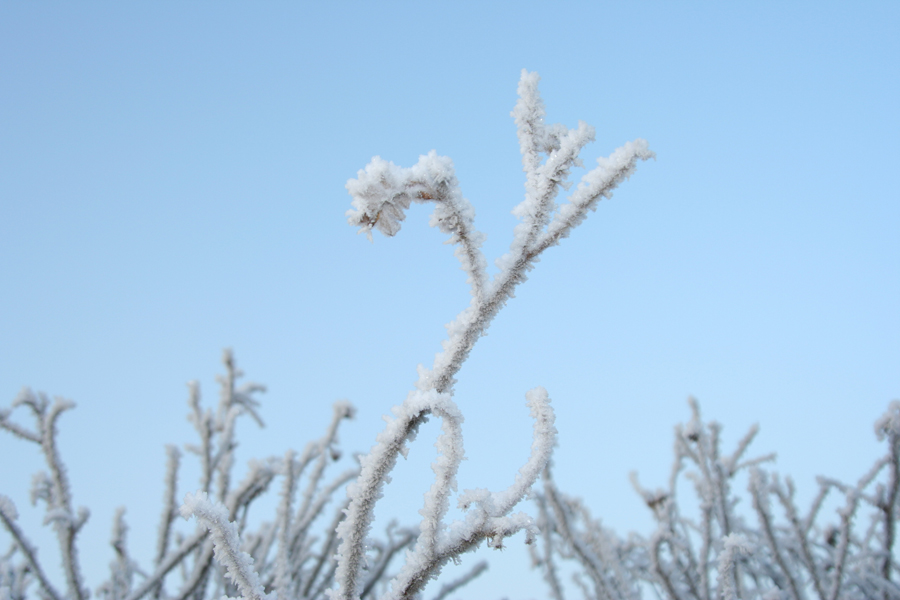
(382, 192)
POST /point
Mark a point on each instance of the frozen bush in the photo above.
(281, 559)
(774, 551)
(285, 550)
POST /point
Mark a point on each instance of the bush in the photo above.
(724, 553)
(317, 544)
(281, 559)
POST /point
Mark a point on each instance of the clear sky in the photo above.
(172, 183)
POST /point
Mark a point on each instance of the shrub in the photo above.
(723, 552)
(281, 559)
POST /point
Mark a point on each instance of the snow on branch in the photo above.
(52, 488)
(720, 553)
(381, 193)
(488, 515)
(9, 515)
(374, 473)
(733, 546)
(302, 566)
(239, 565)
(283, 558)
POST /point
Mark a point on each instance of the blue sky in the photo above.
(172, 183)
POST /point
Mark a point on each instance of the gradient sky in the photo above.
(172, 183)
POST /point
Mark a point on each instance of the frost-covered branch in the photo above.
(8, 515)
(52, 488)
(381, 193)
(169, 509)
(733, 546)
(123, 568)
(303, 564)
(173, 559)
(599, 554)
(396, 540)
(366, 490)
(239, 565)
(721, 553)
(487, 514)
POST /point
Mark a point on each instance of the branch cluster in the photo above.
(294, 553)
(281, 559)
(775, 551)
(381, 193)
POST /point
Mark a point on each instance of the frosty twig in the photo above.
(381, 193)
(720, 554)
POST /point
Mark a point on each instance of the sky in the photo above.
(172, 184)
